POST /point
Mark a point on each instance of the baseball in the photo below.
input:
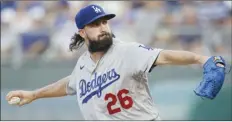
(14, 100)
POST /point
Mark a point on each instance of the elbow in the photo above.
(162, 58)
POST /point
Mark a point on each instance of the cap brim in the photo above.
(107, 16)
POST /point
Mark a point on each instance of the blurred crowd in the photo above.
(42, 30)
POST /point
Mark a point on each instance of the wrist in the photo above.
(203, 59)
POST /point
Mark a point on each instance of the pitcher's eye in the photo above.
(104, 22)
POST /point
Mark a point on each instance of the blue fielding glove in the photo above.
(213, 78)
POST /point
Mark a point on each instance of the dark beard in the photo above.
(101, 45)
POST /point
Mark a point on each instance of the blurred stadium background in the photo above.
(35, 36)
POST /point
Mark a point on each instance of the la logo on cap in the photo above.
(96, 9)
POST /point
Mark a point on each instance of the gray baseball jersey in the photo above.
(116, 87)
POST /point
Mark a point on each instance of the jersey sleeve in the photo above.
(71, 85)
(140, 57)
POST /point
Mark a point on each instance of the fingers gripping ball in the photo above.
(14, 101)
(213, 78)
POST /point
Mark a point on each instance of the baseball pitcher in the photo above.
(110, 79)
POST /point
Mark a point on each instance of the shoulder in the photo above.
(121, 45)
(82, 58)
(131, 46)
(80, 62)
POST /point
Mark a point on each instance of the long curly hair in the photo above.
(76, 42)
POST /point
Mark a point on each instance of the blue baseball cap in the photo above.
(89, 14)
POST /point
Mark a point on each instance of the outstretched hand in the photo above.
(26, 97)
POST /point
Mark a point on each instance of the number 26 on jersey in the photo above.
(125, 101)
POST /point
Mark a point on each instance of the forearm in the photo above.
(57, 89)
(180, 58)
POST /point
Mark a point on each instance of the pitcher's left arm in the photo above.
(214, 69)
(171, 57)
